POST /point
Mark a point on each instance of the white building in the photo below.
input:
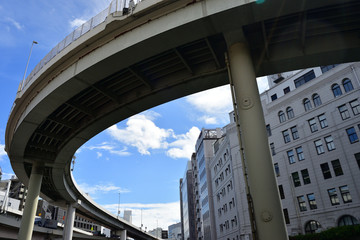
(313, 123)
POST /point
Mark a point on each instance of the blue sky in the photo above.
(142, 157)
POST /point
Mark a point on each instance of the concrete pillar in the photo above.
(268, 213)
(28, 217)
(123, 235)
(69, 222)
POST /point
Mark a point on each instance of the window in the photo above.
(286, 136)
(312, 124)
(286, 90)
(344, 112)
(312, 226)
(304, 78)
(311, 201)
(307, 104)
(347, 220)
(316, 100)
(290, 113)
(268, 130)
(336, 90)
(291, 157)
(302, 203)
(281, 115)
(333, 196)
(325, 170)
(329, 143)
(286, 216)
(327, 68)
(296, 179)
(322, 121)
(352, 135)
(294, 132)
(272, 147)
(355, 106)
(357, 158)
(319, 147)
(305, 176)
(337, 167)
(273, 97)
(277, 169)
(347, 85)
(281, 191)
(300, 153)
(345, 194)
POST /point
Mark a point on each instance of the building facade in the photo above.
(313, 122)
(175, 231)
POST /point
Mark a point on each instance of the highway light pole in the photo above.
(27, 64)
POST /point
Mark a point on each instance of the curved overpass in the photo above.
(163, 50)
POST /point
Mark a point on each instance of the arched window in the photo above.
(347, 85)
(317, 100)
(312, 226)
(290, 112)
(336, 90)
(307, 104)
(282, 117)
(347, 220)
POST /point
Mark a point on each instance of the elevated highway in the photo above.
(160, 51)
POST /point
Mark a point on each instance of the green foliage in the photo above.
(338, 233)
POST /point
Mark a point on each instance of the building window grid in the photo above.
(336, 90)
(344, 113)
(322, 121)
(316, 100)
(272, 147)
(277, 169)
(329, 143)
(355, 106)
(307, 104)
(325, 170)
(290, 113)
(311, 201)
(296, 179)
(268, 130)
(282, 117)
(306, 177)
(286, 136)
(352, 135)
(319, 147)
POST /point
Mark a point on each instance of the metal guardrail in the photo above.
(124, 6)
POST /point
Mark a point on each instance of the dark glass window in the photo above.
(273, 97)
(277, 169)
(345, 194)
(306, 177)
(348, 220)
(352, 135)
(286, 216)
(281, 192)
(286, 90)
(302, 203)
(312, 201)
(322, 121)
(300, 153)
(344, 112)
(282, 117)
(307, 104)
(337, 167)
(272, 147)
(312, 226)
(296, 179)
(317, 100)
(347, 85)
(334, 199)
(355, 106)
(268, 130)
(304, 78)
(290, 113)
(327, 68)
(336, 90)
(325, 170)
(357, 158)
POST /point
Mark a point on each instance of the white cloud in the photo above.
(214, 104)
(184, 145)
(77, 22)
(109, 147)
(152, 215)
(98, 154)
(16, 24)
(262, 83)
(93, 190)
(142, 133)
(2, 152)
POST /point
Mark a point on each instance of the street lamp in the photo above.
(27, 64)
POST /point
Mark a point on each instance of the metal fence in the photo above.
(122, 6)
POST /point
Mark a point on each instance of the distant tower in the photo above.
(128, 216)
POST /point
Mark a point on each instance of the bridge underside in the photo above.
(123, 85)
